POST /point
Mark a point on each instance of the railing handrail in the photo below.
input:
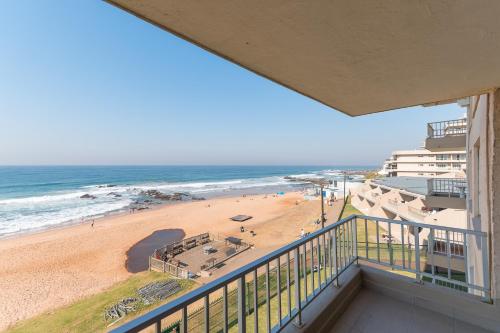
(423, 225)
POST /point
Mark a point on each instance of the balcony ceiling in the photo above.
(358, 57)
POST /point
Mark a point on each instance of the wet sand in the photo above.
(137, 256)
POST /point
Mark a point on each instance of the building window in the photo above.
(431, 165)
(442, 157)
(421, 165)
(441, 165)
(456, 166)
(420, 174)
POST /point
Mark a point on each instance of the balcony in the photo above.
(329, 279)
(448, 134)
(447, 192)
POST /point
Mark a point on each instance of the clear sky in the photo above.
(82, 82)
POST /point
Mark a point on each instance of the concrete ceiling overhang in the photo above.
(358, 57)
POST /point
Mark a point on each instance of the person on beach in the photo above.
(92, 225)
(302, 233)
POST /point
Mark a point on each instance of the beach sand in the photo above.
(43, 271)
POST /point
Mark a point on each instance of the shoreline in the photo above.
(48, 269)
(265, 190)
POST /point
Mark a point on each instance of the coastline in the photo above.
(47, 269)
(267, 190)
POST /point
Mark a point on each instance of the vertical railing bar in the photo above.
(278, 287)
(378, 241)
(355, 238)
(448, 253)
(304, 263)
(344, 248)
(312, 268)
(466, 265)
(207, 313)
(403, 246)
(340, 247)
(349, 241)
(296, 273)
(242, 323)
(158, 326)
(288, 278)
(391, 259)
(268, 299)
(366, 239)
(255, 302)
(330, 252)
(486, 270)
(417, 253)
(335, 259)
(184, 323)
(325, 252)
(431, 252)
(318, 251)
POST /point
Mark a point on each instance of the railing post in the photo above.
(241, 305)
(296, 273)
(335, 262)
(486, 270)
(184, 323)
(417, 253)
(207, 313)
(225, 309)
(355, 239)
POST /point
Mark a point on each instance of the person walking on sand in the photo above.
(302, 233)
(92, 224)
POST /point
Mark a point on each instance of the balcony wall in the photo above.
(445, 143)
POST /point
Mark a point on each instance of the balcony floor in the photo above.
(373, 312)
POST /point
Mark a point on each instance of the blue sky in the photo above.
(82, 82)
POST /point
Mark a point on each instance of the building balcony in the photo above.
(446, 134)
(447, 192)
(362, 272)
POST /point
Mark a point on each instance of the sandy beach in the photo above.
(43, 271)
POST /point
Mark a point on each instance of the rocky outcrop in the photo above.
(88, 196)
(155, 194)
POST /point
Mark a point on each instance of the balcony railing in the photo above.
(441, 129)
(448, 187)
(280, 285)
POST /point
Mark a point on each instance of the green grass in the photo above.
(87, 315)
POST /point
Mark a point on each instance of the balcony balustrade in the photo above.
(273, 291)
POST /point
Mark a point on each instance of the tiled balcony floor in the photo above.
(373, 312)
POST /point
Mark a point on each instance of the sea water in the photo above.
(38, 197)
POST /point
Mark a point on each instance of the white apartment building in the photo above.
(443, 154)
(425, 163)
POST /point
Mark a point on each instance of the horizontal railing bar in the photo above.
(436, 277)
(423, 225)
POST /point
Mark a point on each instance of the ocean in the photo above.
(38, 197)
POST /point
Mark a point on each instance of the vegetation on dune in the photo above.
(87, 315)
